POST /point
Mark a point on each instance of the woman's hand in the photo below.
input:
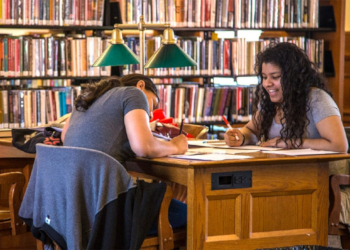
(180, 143)
(233, 137)
(276, 142)
(273, 143)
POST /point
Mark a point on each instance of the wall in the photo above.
(347, 16)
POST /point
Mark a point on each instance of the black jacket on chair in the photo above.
(85, 199)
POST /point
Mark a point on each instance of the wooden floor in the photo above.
(19, 242)
(27, 242)
(334, 241)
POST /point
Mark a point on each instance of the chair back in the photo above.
(85, 199)
(347, 132)
(198, 131)
(67, 188)
(9, 219)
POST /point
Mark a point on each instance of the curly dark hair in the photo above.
(298, 76)
(92, 91)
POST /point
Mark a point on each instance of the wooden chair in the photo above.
(334, 226)
(167, 238)
(10, 223)
(198, 131)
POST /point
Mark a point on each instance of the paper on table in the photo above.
(205, 143)
(210, 157)
(219, 150)
(251, 147)
(222, 144)
(161, 136)
(295, 152)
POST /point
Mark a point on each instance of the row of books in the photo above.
(34, 83)
(222, 57)
(49, 55)
(246, 52)
(197, 104)
(42, 83)
(31, 108)
(224, 13)
(52, 12)
(35, 107)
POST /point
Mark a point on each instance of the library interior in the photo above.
(175, 124)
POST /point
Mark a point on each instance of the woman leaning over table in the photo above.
(292, 108)
(112, 116)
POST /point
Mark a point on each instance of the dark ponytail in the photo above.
(92, 91)
(132, 79)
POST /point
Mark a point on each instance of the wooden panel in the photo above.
(284, 207)
(224, 213)
(295, 207)
(346, 118)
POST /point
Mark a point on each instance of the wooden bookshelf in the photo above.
(331, 32)
(335, 42)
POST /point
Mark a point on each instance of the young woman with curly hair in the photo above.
(292, 108)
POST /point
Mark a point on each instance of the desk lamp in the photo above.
(168, 55)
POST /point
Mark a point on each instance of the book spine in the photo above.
(10, 109)
(42, 106)
(5, 110)
(21, 108)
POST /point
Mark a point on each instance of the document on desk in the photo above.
(296, 152)
(253, 147)
(207, 143)
(222, 144)
(219, 150)
(210, 157)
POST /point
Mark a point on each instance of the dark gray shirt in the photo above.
(321, 106)
(102, 127)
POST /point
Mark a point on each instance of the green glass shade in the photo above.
(115, 55)
(169, 56)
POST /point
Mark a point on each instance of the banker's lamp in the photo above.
(168, 55)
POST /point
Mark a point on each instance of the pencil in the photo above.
(181, 126)
(229, 126)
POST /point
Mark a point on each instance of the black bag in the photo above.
(26, 139)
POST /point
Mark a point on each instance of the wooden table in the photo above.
(286, 205)
(13, 159)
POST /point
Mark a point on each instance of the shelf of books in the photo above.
(59, 60)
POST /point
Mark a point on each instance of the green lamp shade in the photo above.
(169, 56)
(115, 55)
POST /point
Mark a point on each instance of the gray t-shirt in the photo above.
(321, 106)
(102, 127)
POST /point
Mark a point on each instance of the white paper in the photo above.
(205, 143)
(218, 151)
(222, 144)
(295, 152)
(57, 129)
(253, 147)
(210, 157)
(161, 136)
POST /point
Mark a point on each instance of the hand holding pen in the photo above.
(233, 136)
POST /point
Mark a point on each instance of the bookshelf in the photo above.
(331, 32)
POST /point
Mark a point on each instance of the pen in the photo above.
(229, 126)
(181, 126)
